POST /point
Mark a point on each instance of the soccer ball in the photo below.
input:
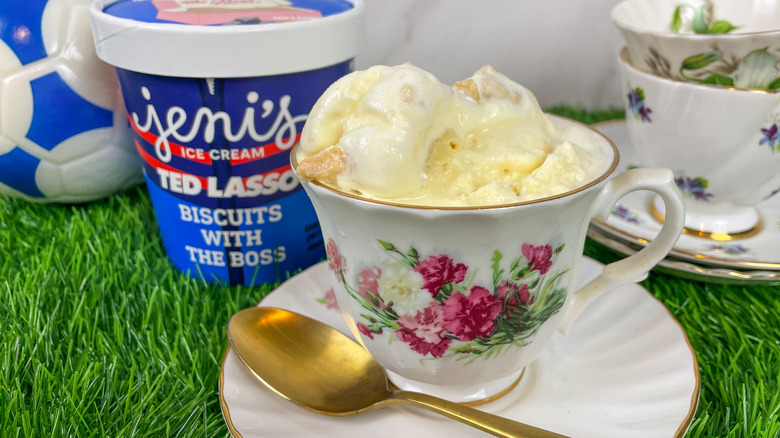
(64, 133)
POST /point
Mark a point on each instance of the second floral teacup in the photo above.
(455, 302)
(722, 144)
(724, 42)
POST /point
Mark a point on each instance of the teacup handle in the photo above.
(635, 267)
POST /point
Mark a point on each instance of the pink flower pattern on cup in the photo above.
(335, 260)
(329, 300)
(438, 271)
(431, 303)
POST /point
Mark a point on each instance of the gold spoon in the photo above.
(322, 370)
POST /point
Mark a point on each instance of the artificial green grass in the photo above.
(100, 336)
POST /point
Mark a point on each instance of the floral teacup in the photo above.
(455, 302)
(721, 42)
(722, 144)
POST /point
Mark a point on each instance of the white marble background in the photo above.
(565, 51)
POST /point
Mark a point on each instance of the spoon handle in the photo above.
(492, 424)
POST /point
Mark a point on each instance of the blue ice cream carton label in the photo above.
(216, 158)
(217, 93)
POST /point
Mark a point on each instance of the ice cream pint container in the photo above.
(217, 92)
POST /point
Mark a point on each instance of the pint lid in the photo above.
(226, 38)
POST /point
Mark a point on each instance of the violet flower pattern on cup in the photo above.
(771, 137)
(626, 214)
(636, 104)
(732, 249)
(433, 304)
(694, 187)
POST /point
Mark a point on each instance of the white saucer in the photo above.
(632, 222)
(686, 269)
(625, 370)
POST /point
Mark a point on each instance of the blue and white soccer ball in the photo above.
(64, 133)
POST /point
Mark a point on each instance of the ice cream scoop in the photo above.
(397, 134)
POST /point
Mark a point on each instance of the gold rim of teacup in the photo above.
(719, 236)
(596, 181)
(625, 58)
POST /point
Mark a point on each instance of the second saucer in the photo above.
(633, 221)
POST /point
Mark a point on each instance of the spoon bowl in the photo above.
(324, 371)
